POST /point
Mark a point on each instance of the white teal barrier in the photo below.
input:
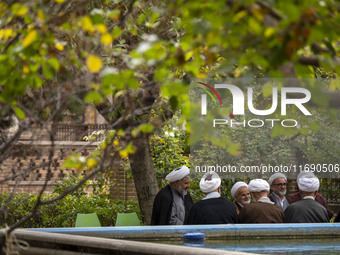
(210, 231)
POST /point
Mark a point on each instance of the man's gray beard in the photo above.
(181, 191)
(281, 193)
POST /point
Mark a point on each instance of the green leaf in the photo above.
(54, 63)
(304, 131)
(19, 113)
(234, 149)
(146, 128)
(48, 71)
(313, 125)
(97, 18)
(173, 102)
(74, 161)
(116, 32)
(93, 97)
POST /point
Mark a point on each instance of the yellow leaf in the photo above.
(335, 84)
(91, 162)
(21, 11)
(269, 31)
(188, 55)
(59, 1)
(124, 154)
(29, 38)
(101, 28)
(59, 46)
(115, 142)
(93, 63)
(87, 24)
(41, 15)
(201, 75)
(6, 34)
(240, 15)
(25, 69)
(106, 39)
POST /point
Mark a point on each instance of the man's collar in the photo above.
(265, 200)
(309, 197)
(212, 195)
(239, 204)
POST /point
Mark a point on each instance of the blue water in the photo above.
(310, 246)
(284, 246)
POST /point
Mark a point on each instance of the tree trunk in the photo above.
(144, 175)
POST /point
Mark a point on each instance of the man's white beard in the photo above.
(245, 202)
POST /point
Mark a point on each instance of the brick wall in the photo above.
(35, 156)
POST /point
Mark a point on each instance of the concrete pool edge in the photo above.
(210, 231)
(54, 243)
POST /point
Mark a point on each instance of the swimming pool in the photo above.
(302, 239)
(278, 246)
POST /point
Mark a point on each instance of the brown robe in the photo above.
(260, 212)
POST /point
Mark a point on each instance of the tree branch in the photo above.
(311, 61)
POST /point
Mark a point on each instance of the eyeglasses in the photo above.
(281, 184)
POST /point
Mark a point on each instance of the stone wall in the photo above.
(31, 159)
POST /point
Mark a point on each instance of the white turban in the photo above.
(210, 181)
(236, 186)
(258, 185)
(305, 174)
(308, 184)
(275, 176)
(178, 174)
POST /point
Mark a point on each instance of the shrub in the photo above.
(63, 213)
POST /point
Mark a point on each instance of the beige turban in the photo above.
(275, 176)
(236, 186)
(178, 174)
(258, 185)
(210, 181)
(308, 184)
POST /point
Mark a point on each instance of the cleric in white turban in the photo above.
(210, 182)
(262, 210)
(305, 174)
(278, 185)
(276, 176)
(258, 185)
(240, 193)
(173, 202)
(236, 186)
(308, 184)
(307, 210)
(178, 174)
(212, 209)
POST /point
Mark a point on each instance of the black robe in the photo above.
(337, 219)
(306, 211)
(162, 206)
(213, 211)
